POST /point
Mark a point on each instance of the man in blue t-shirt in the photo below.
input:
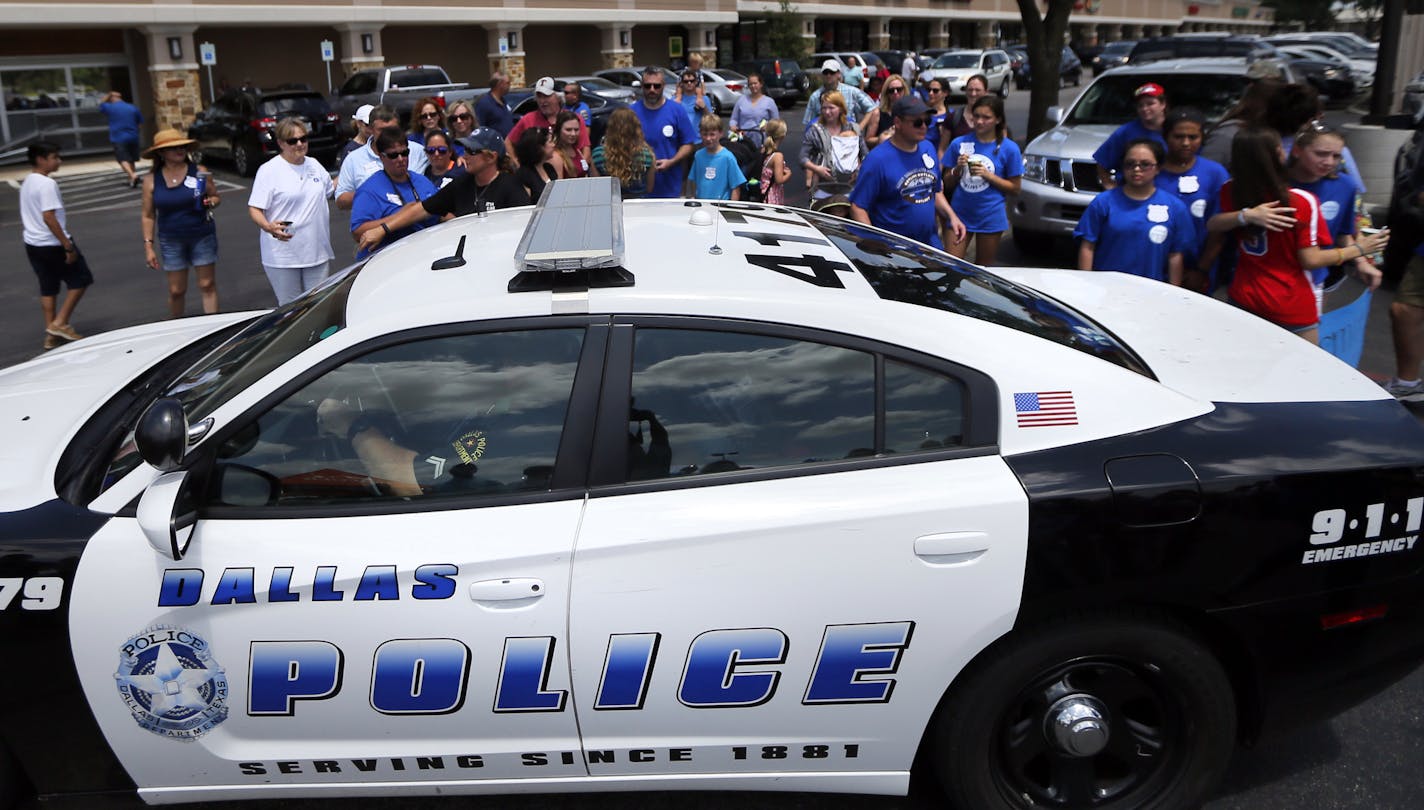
(669, 132)
(1151, 102)
(124, 120)
(899, 185)
(574, 103)
(491, 109)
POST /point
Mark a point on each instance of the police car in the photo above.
(694, 495)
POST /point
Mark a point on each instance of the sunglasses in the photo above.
(437, 150)
(462, 117)
(1138, 165)
(430, 115)
(933, 90)
(295, 141)
(917, 122)
(894, 90)
(689, 80)
(652, 85)
(396, 154)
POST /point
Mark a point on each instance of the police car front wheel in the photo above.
(1110, 712)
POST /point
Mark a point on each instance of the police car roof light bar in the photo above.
(574, 240)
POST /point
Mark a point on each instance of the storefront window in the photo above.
(60, 104)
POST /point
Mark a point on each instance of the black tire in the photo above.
(242, 160)
(12, 783)
(1004, 88)
(1166, 704)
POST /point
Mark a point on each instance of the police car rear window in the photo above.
(900, 271)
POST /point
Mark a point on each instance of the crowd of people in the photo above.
(1266, 203)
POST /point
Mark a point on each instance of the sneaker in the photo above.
(52, 342)
(135, 182)
(1403, 392)
(65, 332)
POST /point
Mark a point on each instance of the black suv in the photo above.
(1189, 46)
(784, 80)
(238, 126)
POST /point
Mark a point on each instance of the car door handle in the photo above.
(514, 589)
(952, 548)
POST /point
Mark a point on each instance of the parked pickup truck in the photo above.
(400, 87)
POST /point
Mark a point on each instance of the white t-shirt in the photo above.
(39, 194)
(295, 193)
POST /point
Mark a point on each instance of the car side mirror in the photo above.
(161, 434)
(166, 515)
(1055, 115)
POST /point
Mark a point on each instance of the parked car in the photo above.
(893, 60)
(590, 506)
(868, 60)
(1350, 45)
(784, 80)
(955, 68)
(598, 86)
(1112, 55)
(1018, 57)
(1070, 71)
(1060, 177)
(1331, 79)
(632, 77)
(521, 102)
(399, 88)
(238, 126)
(1189, 46)
(1361, 68)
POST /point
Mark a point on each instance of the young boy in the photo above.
(715, 174)
(51, 250)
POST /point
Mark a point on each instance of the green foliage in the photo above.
(784, 32)
(1315, 15)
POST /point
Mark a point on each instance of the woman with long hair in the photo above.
(1281, 235)
(1196, 181)
(831, 151)
(1314, 165)
(1250, 111)
(879, 125)
(178, 230)
(425, 115)
(625, 154)
(959, 125)
(752, 109)
(937, 99)
(567, 127)
(536, 155)
(985, 167)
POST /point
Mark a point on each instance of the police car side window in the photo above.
(449, 416)
(924, 410)
(707, 402)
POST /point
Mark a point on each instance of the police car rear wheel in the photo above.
(1103, 713)
(10, 780)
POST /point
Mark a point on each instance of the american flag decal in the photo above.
(1045, 409)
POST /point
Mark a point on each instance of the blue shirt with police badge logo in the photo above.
(1109, 156)
(666, 129)
(1337, 205)
(1199, 188)
(898, 190)
(1136, 237)
(980, 206)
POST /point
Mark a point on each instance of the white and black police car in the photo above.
(694, 495)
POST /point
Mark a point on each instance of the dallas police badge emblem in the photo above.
(1158, 213)
(171, 684)
(470, 446)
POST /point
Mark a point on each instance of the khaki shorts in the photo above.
(1411, 287)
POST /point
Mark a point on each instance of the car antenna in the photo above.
(451, 262)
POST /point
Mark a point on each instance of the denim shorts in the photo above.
(182, 252)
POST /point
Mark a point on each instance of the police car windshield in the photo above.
(1109, 100)
(265, 344)
(900, 271)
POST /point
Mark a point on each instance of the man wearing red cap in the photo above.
(1151, 101)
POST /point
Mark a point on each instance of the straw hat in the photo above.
(165, 138)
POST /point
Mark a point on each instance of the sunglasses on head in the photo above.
(396, 154)
(295, 141)
(437, 150)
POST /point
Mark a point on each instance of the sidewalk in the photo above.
(87, 164)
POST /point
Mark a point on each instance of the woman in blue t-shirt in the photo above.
(1197, 182)
(984, 166)
(1314, 166)
(1136, 227)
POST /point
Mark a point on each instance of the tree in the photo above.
(784, 32)
(1044, 35)
(1313, 15)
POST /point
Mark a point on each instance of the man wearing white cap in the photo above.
(361, 163)
(361, 120)
(858, 104)
(550, 104)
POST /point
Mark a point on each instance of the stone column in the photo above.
(939, 35)
(1084, 33)
(617, 39)
(984, 34)
(1132, 32)
(1109, 33)
(360, 46)
(880, 36)
(506, 52)
(173, 73)
(703, 39)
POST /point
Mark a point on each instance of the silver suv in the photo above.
(1060, 177)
